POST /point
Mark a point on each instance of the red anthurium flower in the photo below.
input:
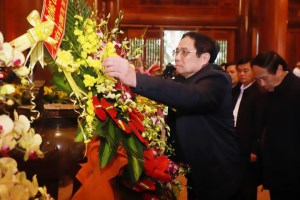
(138, 124)
(103, 107)
(135, 114)
(137, 133)
(99, 109)
(156, 166)
(122, 125)
(109, 108)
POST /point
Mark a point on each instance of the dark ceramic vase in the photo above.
(57, 126)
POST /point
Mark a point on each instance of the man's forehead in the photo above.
(186, 43)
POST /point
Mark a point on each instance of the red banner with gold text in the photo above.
(56, 10)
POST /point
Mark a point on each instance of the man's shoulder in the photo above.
(293, 81)
(256, 88)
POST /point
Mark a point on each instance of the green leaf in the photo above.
(109, 144)
(79, 136)
(105, 153)
(61, 82)
(135, 154)
(101, 127)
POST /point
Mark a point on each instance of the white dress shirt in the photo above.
(238, 102)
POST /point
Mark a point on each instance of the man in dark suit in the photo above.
(200, 114)
(281, 140)
(249, 105)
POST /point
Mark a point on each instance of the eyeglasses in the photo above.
(184, 52)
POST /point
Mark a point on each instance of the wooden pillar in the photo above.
(272, 23)
(244, 42)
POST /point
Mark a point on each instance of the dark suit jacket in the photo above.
(250, 118)
(281, 144)
(201, 121)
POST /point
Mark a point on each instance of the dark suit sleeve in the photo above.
(202, 95)
(259, 119)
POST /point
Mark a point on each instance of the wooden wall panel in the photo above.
(13, 16)
(294, 14)
(168, 14)
(293, 46)
(219, 15)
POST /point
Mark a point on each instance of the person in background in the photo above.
(281, 140)
(296, 70)
(248, 114)
(169, 72)
(200, 114)
(230, 68)
(223, 66)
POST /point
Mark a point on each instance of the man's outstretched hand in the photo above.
(120, 68)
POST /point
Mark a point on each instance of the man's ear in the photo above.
(206, 57)
(279, 69)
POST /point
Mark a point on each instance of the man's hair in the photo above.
(204, 44)
(229, 64)
(243, 61)
(270, 61)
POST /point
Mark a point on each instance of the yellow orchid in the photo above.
(89, 81)
(47, 90)
(65, 61)
(109, 51)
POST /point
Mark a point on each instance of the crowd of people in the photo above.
(236, 128)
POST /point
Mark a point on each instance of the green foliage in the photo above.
(109, 144)
(61, 82)
(135, 154)
(75, 7)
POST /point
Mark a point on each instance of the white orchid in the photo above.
(6, 124)
(22, 124)
(7, 143)
(31, 143)
(1, 40)
(9, 55)
(7, 89)
(19, 132)
(15, 185)
(22, 71)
